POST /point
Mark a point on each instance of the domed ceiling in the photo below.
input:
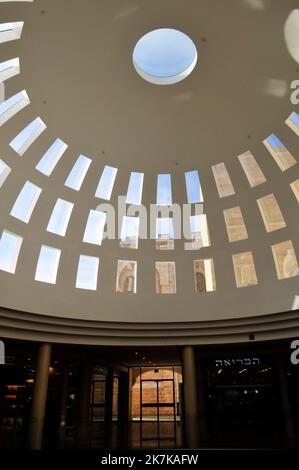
(79, 128)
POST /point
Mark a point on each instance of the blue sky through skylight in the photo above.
(47, 265)
(134, 194)
(164, 191)
(295, 118)
(164, 227)
(274, 141)
(105, 186)
(193, 186)
(10, 245)
(87, 274)
(78, 173)
(25, 203)
(25, 138)
(60, 217)
(164, 53)
(52, 156)
(10, 102)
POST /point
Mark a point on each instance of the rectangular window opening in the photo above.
(293, 122)
(27, 136)
(60, 217)
(95, 226)
(10, 245)
(50, 159)
(252, 169)
(106, 184)
(235, 224)
(164, 234)
(200, 237)
(78, 173)
(244, 267)
(164, 190)
(87, 274)
(26, 201)
(279, 152)
(4, 172)
(295, 189)
(223, 181)
(13, 105)
(134, 194)
(126, 281)
(47, 265)
(165, 277)
(285, 260)
(129, 232)
(194, 190)
(204, 274)
(9, 69)
(10, 31)
(271, 213)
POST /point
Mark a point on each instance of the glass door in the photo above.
(157, 412)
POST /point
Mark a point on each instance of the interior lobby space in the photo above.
(149, 222)
(59, 397)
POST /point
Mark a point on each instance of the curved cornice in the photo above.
(26, 326)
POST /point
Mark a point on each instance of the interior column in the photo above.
(63, 401)
(84, 400)
(285, 402)
(108, 407)
(191, 416)
(39, 397)
(123, 409)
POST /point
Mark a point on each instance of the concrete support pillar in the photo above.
(64, 384)
(108, 408)
(202, 416)
(191, 415)
(39, 398)
(84, 400)
(123, 409)
(289, 425)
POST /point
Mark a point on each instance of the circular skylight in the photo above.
(164, 56)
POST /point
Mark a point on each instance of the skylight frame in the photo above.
(60, 217)
(24, 139)
(164, 189)
(205, 267)
(131, 279)
(51, 157)
(193, 187)
(223, 181)
(94, 230)
(271, 213)
(252, 169)
(5, 170)
(135, 188)
(26, 201)
(169, 288)
(12, 105)
(281, 155)
(129, 236)
(78, 173)
(10, 247)
(88, 273)
(235, 224)
(106, 183)
(47, 265)
(244, 261)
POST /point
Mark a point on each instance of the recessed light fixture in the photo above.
(165, 56)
